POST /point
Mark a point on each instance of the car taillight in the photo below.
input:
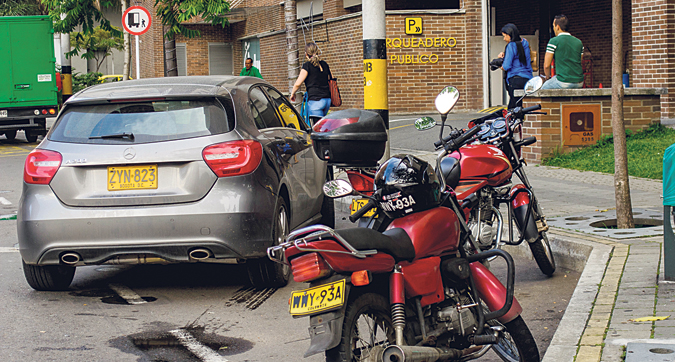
(233, 158)
(41, 166)
(309, 267)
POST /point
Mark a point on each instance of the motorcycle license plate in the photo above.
(318, 299)
(359, 203)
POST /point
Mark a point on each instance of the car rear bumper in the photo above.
(230, 225)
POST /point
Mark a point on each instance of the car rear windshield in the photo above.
(144, 121)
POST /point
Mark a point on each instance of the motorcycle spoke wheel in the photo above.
(516, 343)
(541, 250)
(367, 324)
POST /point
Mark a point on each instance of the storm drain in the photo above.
(649, 352)
(252, 297)
(603, 223)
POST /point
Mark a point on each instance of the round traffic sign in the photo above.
(136, 20)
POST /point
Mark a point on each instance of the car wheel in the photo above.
(48, 277)
(31, 137)
(10, 135)
(263, 272)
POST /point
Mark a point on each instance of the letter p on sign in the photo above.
(413, 26)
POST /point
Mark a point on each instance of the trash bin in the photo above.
(668, 203)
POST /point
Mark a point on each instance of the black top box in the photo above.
(350, 138)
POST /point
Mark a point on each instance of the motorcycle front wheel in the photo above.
(541, 250)
(367, 324)
(516, 343)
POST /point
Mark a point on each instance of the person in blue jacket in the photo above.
(516, 62)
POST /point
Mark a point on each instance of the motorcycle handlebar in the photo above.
(360, 212)
(530, 109)
(447, 138)
(458, 142)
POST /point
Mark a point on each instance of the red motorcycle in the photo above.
(412, 292)
(482, 172)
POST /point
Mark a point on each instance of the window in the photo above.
(220, 59)
(181, 58)
(289, 116)
(148, 121)
(263, 113)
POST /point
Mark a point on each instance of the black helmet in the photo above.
(406, 184)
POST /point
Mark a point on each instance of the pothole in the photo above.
(190, 343)
(639, 223)
(107, 296)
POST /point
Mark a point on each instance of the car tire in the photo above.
(48, 277)
(263, 272)
(10, 135)
(31, 137)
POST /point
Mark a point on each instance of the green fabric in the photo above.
(253, 72)
(567, 51)
(669, 176)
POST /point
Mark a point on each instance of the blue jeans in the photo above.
(554, 83)
(318, 108)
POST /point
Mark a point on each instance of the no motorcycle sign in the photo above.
(136, 20)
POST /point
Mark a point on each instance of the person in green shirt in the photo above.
(567, 52)
(249, 70)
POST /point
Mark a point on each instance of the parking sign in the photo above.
(136, 20)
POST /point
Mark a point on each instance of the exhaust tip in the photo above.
(200, 254)
(70, 258)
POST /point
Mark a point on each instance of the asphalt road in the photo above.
(210, 304)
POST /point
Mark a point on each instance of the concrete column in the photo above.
(375, 61)
(66, 69)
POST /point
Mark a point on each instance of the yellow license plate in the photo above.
(318, 299)
(132, 177)
(359, 203)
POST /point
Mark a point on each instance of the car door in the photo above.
(315, 169)
(286, 148)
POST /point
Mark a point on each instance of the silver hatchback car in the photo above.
(181, 169)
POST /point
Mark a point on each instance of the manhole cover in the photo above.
(639, 223)
(649, 352)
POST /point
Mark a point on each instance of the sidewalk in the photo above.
(622, 279)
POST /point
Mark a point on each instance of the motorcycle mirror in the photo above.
(533, 85)
(337, 188)
(447, 99)
(425, 123)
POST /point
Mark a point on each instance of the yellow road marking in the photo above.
(400, 127)
(11, 150)
(491, 109)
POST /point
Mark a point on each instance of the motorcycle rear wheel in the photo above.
(541, 250)
(517, 344)
(367, 324)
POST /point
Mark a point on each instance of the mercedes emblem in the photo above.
(129, 153)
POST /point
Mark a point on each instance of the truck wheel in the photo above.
(31, 137)
(48, 277)
(11, 135)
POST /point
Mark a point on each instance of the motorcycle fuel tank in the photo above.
(484, 162)
(433, 232)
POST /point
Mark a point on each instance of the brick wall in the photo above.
(639, 112)
(654, 49)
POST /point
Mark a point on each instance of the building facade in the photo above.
(453, 45)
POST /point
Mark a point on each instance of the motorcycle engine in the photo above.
(458, 320)
(484, 230)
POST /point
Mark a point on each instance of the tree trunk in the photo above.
(127, 48)
(290, 14)
(624, 212)
(170, 60)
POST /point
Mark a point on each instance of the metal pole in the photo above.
(138, 59)
(375, 61)
(66, 69)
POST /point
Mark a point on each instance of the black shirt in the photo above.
(317, 81)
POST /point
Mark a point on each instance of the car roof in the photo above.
(186, 86)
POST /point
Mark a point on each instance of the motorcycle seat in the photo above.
(394, 242)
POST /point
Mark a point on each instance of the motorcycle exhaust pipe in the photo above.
(200, 254)
(419, 354)
(70, 258)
